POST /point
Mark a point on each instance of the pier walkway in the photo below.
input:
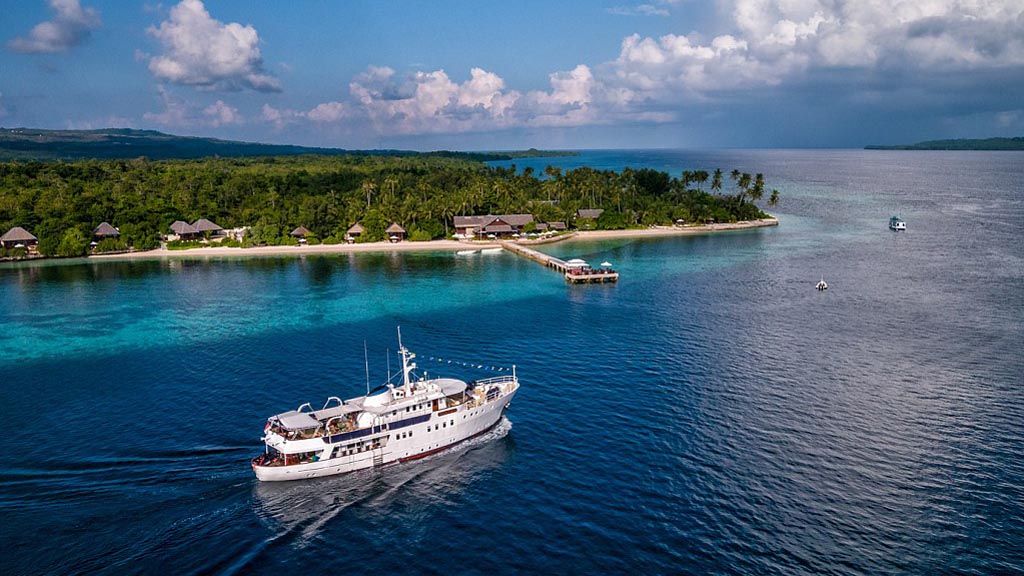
(572, 270)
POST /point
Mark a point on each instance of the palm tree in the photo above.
(735, 174)
(368, 188)
(743, 183)
(447, 212)
(774, 198)
(716, 180)
(758, 190)
(390, 185)
(701, 176)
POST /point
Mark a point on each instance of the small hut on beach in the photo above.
(104, 231)
(354, 232)
(395, 232)
(301, 232)
(18, 237)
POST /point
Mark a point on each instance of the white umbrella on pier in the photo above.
(606, 264)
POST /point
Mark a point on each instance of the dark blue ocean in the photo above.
(711, 414)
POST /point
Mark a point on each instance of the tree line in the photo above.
(61, 202)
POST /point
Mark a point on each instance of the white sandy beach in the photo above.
(433, 245)
(671, 230)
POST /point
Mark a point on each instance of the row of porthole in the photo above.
(443, 425)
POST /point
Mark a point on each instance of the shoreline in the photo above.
(429, 246)
(657, 231)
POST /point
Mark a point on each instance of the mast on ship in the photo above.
(407, 366)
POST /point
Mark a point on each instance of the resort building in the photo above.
(354, 232)
(551, 226)
(204, 226)
(184, 231)
(18, 237)
(395, 232)
(589, 213)
(301, 232)
(491, 225)
(104, 231)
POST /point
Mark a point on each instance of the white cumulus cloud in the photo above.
(178, 113)
(220, 114)
(772, 41)
(70, 26)
(204, 52)
(778, 44)
(327, 112)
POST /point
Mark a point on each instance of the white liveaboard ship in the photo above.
(390, 424)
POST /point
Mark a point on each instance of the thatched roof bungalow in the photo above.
(184, 230)
(395, 232)
(105, 230)
(300, 232)
(203, 226)
(354, 232)
(18, 236)
(589, 213)
(475, 225)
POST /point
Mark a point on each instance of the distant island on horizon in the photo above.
(30, 144)
(1016, 143)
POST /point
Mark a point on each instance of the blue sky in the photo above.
(501, 75)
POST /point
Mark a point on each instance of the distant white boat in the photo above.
(821, 285)
(466, 252)
(490, 251)
(896, 223)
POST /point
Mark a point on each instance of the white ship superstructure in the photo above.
(391, 424)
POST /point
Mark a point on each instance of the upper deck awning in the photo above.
(450, 386)
(297, 420)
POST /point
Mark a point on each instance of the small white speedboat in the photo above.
(491, 251)
(896, 223)
(466, 252)
(821, 285)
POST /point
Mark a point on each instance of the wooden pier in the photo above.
(573, 273)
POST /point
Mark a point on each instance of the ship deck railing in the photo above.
(494, 380)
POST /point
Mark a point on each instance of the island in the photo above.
(124, 143)
(374, 200)
(958, 144)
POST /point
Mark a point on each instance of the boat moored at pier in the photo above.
(392, 423)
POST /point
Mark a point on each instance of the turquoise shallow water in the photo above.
(710, 413)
